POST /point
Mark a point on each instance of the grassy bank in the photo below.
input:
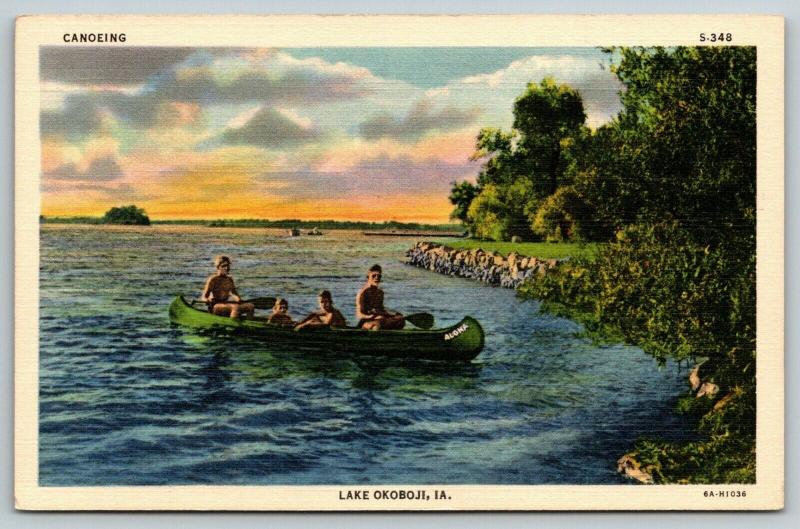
(540, 250)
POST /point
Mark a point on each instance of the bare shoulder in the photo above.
(363, 291)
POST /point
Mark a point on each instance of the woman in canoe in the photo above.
(371, 313)
(220, 292)
(326, 316)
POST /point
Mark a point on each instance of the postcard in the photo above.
(412, 263)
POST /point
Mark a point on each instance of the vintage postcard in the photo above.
(399, 263)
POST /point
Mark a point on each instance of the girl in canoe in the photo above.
(280, 314)
(220, 292)
(327, 316)
(371, 313)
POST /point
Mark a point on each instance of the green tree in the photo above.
(547, 115)
(126, 215)
(461, 195)
(487, 215)
(673, 176)
(563, 216)
(526, 164)
(683, 148)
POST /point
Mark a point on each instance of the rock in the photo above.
(493, 268)
(631, 468)
(694, 377)
(723, 401)
(708, 389)
(512, 259)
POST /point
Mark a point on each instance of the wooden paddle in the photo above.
(423, 320)
(262, 303)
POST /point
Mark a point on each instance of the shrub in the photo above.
(126, 215)
(657, 288)
(559, 216)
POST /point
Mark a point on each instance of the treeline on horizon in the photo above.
(669, 184)
(281, 224)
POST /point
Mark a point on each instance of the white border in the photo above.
(766, 32)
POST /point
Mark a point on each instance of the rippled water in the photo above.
(125, 398)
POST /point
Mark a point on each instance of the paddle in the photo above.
(423, 320)
(262, 303)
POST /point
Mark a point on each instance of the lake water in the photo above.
(128, 399)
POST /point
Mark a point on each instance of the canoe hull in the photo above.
(461, 342)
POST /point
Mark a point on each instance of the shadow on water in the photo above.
(249, 359)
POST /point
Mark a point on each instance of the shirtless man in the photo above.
(220, 292)
(327, 316)
(371, 313)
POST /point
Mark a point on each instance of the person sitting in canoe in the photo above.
(371, 313)
(326, 316)
(220, 292)
(280, 315)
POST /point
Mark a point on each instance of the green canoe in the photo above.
(458, 343)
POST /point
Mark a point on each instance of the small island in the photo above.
(129, 215)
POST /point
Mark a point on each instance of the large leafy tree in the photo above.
(525, 165)
(683, 148)
(547, 116)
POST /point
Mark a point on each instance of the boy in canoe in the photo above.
(280, 314)
(220, 292)
(326, 316)
(371, 313)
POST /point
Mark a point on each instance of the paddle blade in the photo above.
(423, 320)
(261, 303)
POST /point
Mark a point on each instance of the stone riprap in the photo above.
(508, 271)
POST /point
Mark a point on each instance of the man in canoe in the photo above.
(220, 292)
(326, 316)
(371, 313)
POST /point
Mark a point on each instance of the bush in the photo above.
(559, 217)
(126, 215)
(656, 288)
(662, 291)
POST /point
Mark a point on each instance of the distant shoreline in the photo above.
(280, 224)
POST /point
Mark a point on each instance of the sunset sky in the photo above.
(324, 133)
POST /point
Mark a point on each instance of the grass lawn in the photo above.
(540, 250)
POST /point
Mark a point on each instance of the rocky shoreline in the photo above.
(494, 268)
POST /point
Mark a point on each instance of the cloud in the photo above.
(420, 119)
(269, 127)
(204, 79)
(102, 169)
(598, 86)
(376, 177)
(204, 86)
(79, 117)
(96, 65)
